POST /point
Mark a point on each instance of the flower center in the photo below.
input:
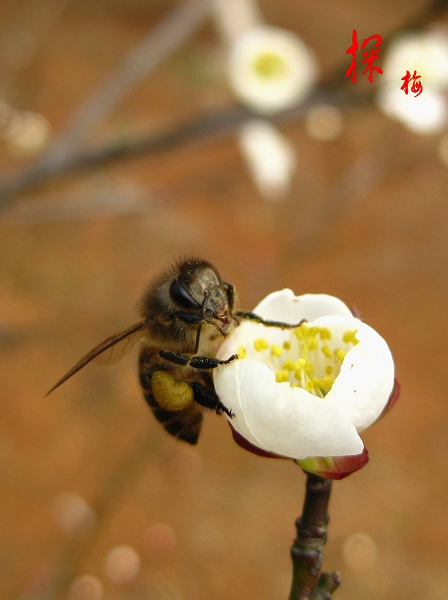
(269, 65)
(311, 358)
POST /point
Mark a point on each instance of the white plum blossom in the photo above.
(305, 392)
(426, 53)
(271, 69)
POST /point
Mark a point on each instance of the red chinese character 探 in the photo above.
(351, 71)
(416, 87)
(369, 56)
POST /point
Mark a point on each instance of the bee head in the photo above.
(201, 296)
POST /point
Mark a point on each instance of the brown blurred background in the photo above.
(97, 501)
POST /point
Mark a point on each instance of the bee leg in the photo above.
(146, 374)
(206, 397)
(202, 394)
(253, 317)
(204, 363)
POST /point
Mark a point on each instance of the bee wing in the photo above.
(116, 346)
(108, 351)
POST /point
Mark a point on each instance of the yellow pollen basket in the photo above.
(311, 358)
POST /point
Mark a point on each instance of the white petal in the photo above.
(287, 307)
(283, 419)
(227, 385)
(366, 380)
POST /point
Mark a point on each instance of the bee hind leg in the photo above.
(208, 398)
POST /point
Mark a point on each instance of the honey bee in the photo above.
(187, 313)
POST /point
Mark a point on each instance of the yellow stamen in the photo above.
(276, 350)
(312, 343)
(306, 360)
(325, 334)
(301, 331)
(340, 354)
(281, 376)
(327, 382)
(309, 367)
(289, 365)
(326, 350)
(298, 374)
(242, 353)
(261, 344)
(349, 337)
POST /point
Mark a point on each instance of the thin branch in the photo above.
(221, 121)
(204, 128)
(306, 552)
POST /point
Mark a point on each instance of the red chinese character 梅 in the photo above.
(416, 87)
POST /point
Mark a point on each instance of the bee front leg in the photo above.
(203, 363)
(253, 317)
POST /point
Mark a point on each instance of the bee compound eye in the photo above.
(181, 296)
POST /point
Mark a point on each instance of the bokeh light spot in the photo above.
(86, 587)
(72, 513)
(122, 564)
(159, 540)
(360, 551)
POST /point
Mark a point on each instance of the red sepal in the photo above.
(334, 467)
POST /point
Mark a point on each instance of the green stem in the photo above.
(308, 583)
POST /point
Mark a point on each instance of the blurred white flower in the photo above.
(309, 391)
(271, 69)
(427, 55)
(270, 156)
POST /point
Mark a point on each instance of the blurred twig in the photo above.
(65, 156)
(149, 53)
